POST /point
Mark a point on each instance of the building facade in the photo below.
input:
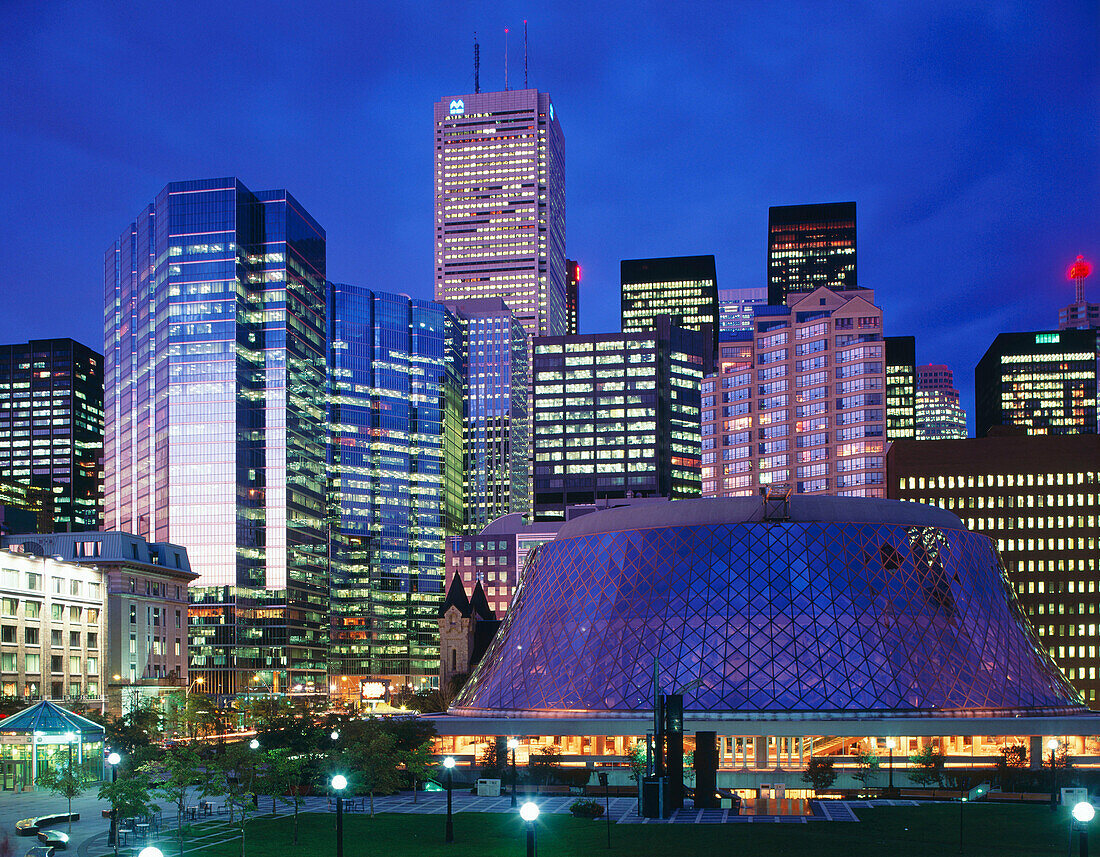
(145, 644)
(52, 629)
(572, 297)
(617, 415)
(1038, 499)
(396, 469)
(939, 414)
(500, 205)
(1042, 381)
(51, 426)
(901, 387)
(215, 396)
(685, 288)
(25, 508)
(800, 401)
(735, 309)
(810, 246)
(495, 396)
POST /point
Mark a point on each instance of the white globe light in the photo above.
(449, 762)
(254, 744)
(1052, 744)
(528, 812)
(512, 743)
(334, 735)
(339, 782)
(150, 851)
(114, 759)
(889, 743)
(1084, 812)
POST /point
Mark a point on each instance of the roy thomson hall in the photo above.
(791, 625)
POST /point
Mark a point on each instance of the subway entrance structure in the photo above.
(796, 626)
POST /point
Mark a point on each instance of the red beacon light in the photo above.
(1077, 272)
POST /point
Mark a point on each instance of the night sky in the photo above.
(967, 133)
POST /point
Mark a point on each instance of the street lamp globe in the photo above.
(150, 851)
(1083, 812)
(335, 735)
(1052, 744)
(254, 744)
(513, 743)
(339, 782)
(449, 762)
(528, 812)
(113, 759)
(890, 744)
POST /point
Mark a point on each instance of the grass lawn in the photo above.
(890, 831)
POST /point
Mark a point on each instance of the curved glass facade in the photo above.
(767, 616)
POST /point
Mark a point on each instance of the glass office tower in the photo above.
(51, 426)
(215, 396)
(901, 386)
(683, 287)
(939, 414)
(395, 461)
(500, 204)
(810, 246)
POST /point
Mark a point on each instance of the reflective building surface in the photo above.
(215, 384)
(829, 605)
(682, 287)
(395, 459)
(811, 246)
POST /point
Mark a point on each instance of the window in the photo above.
(7, 663)
(93, 666)
(32, 663)
(74, 639)
(93, 640)
(57, 612)
(57, 664)
(74, 614)
(9, 606)
(93, 615)
(133, 614)
(30, 636)
(7, 634)
(32, 609)
(74, 664)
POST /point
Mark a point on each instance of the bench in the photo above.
(552, 790)
(53, 837)
(40, 851)
(30, 826)
(613, 791)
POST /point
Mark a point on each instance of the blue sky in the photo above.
(967, 133)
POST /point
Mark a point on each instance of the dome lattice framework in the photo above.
(766, 616)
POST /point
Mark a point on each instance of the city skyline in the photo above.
(972, 188)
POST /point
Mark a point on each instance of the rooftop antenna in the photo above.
(477, 65)
(505, 59)
(524, 53)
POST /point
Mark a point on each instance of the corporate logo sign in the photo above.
(457, 107)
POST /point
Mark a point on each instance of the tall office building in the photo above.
(215, 398)
(572, 298)
(617, 415)
(735, 309)
(1038, 498)
(496, 390)
(901, 386)
(810, 246)
(51, 426)
(1043, 381)
(500, 205)
(799, 401)
(940, 416)
(395, 466)
(681, 287)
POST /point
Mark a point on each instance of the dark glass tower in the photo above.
(811, 246)
(1044, 382)
(395, 459)
(51, 426)
(215, 392)
(681, 287)
(901, 386)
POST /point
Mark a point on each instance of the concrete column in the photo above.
(1035, 752)
(801, 759)
(761, 751)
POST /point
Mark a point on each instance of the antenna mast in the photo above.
(477, 65)
(505, 59)
(524, 53)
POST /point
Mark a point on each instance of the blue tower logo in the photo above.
(457, 107)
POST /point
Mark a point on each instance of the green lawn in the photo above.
(891, 832)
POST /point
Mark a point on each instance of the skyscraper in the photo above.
(735, 309)
(811, 246)
(215, 398)
(395, 459)
(901, 386)
(572, 297)
(617, 415)
(500, 205)
(496, 390)
(681, 287)
(51, 426)
(1044, 381)
(939, 414)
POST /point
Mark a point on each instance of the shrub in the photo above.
(586, 809)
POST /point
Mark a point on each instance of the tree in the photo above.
(135, 729)
(241, 771)
(129, 798)
(1012, 762)
(66, 780)
(545, 765)
(867, 765)
(637, 756)
(289, 774)
(820, 773)
(419, 762)
(174, 775)
(926, 767)
(376, 759)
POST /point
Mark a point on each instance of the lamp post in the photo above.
(339, 783)
(150, 851)
(1082, 815)
(449, 830)
(512, 745)
(113, 760)
(334, 735)
(529, 812)
(1052, 745)
(890, 749)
